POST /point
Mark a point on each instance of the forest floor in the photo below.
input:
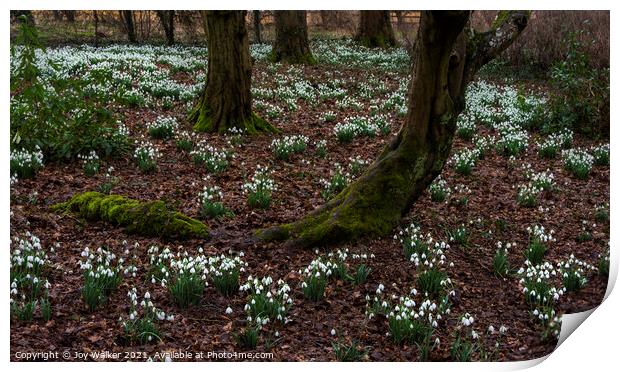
(491, 214)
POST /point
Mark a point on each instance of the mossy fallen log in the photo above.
(147, 218)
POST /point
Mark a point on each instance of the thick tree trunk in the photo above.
(291, 43)
(445, 63)
(376, 29)
(226, 101)
(127, 18)
(329, 19)
(96, 35)
(256, 16)
(69, 15)
(166, 17)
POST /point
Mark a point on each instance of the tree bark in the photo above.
(329, 18)
(127, 18)
(96, 35)
(256, 16)
(69, 15)
(376, 29)
(226, 101)
(166, 17)
(447, 58)
(291, 43)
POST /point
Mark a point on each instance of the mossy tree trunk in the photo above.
(447, 58)
(128, 24)
(376, 29)
(226, 101)
(166, 17)
(291, 43)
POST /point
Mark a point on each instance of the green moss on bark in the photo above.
(147, 218)
(306, 59)
(379, 41)
(359, 210)
(203, 122)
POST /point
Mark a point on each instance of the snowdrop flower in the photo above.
(229, 310)
(333, 332)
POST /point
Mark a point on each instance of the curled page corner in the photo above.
(570, 322)
(524, 364)
(613, 273)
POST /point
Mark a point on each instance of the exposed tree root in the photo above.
(147, 218)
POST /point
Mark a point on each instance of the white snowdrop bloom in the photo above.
(147, 295)
(491, 329)
(277, 334)
(229, 310)
(333, 332)
(474, 335)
